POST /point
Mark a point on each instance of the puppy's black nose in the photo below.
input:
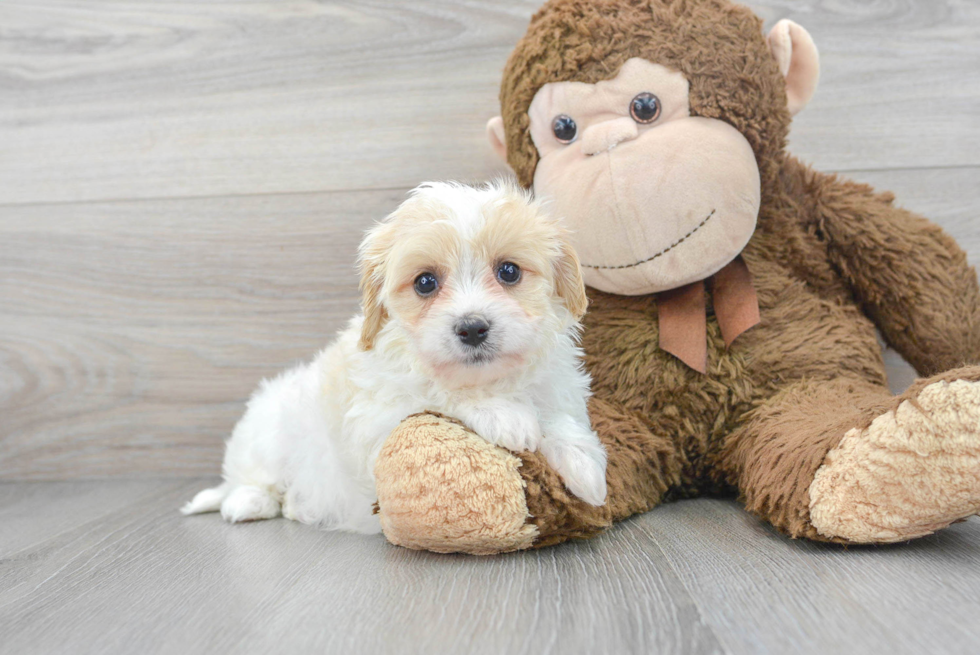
(472, 330)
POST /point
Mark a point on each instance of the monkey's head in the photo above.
(652, 126)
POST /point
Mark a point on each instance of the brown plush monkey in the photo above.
(735, 295)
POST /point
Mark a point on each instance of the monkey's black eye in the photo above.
(564, 128)
(645, 108)
(509, 273)
(426, 284)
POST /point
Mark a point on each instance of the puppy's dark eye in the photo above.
(426, 284)
(509, 273)
(645, 108)
(564, 128)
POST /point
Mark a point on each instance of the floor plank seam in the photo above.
(203, 197)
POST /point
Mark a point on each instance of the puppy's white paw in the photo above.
(582, 467)
(509, 425)
(249, 504)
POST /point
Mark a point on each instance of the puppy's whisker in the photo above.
(484, 355)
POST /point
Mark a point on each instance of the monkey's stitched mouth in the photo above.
(662, 252)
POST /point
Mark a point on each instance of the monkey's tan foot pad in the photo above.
(911, 472)
(444, 489)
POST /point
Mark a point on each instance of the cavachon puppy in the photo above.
(471, 300)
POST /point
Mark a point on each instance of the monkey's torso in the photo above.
(811, 328)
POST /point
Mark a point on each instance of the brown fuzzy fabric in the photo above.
(831, 260)
(909, 303)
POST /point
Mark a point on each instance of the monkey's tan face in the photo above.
(656, 198)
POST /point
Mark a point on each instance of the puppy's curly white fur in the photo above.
(471, 301)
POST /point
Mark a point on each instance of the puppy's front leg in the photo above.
(506, 423)
(577, 455)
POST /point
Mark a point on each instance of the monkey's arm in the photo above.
(445, 489)
(910, 277)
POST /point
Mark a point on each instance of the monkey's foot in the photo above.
(912, 471)
(444, 489)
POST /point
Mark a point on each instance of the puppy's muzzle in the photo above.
(472, 330)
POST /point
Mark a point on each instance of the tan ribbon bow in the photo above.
(683, 320)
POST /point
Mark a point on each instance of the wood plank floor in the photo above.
(110, 566)
(182, 187)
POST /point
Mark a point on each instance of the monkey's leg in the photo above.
(442, 488)
(845, 461)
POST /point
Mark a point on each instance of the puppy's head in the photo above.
(476, 282)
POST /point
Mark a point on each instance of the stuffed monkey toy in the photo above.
(734, 296)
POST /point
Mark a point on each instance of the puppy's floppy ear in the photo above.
(371, 262)
(568, 278)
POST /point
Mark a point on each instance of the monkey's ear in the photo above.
(568, 280)
(371, 262)
(798, 60)
(496, 136)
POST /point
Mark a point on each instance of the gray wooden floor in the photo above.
(109, 566)
(182, 186)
